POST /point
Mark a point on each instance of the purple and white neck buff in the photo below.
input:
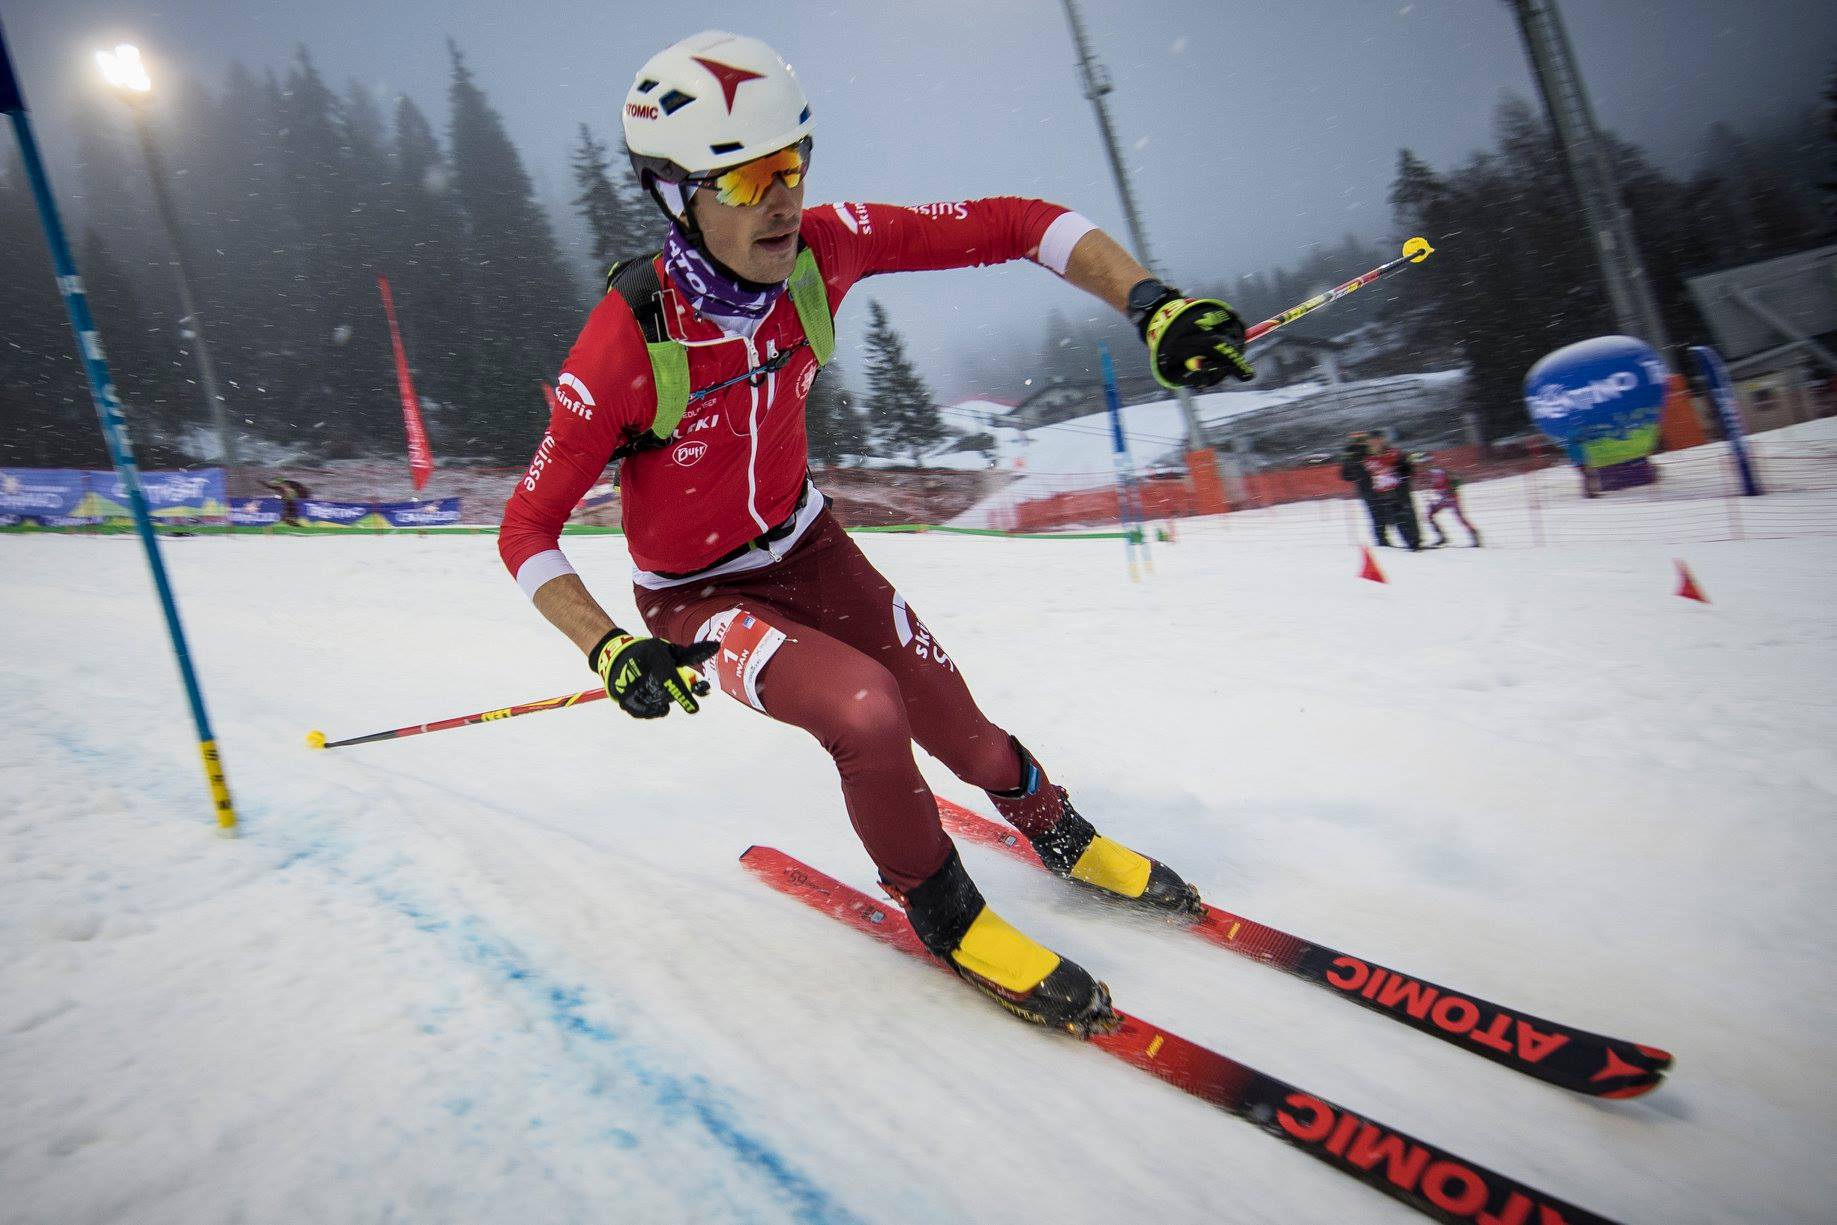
(711, 292)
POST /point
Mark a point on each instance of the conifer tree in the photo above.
(44, 399)
(836, 431)
(526, 309)
(901, 411)
(426, 271)
(150, 379)
(614, 214)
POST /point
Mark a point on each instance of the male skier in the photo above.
(694, 371)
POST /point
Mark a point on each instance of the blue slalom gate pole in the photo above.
(114, 429)
(1135, 536)
(1722, 394)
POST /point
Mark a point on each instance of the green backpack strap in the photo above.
(636, 281)
(812, 302)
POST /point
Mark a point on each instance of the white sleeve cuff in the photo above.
(548, 564)
(1060, 237)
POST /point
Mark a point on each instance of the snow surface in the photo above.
(513, 972)
(1155, 433)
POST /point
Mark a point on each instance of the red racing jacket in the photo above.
(737, 465)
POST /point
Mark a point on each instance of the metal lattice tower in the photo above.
(1096, 81)
(1566, 102)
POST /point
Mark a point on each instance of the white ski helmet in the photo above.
(710, 102)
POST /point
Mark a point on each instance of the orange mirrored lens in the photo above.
(746, 184)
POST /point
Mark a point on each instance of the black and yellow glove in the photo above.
(644, 675)
(1192, 342)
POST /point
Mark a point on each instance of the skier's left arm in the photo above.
(1193, 342)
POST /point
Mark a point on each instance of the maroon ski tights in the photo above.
(856, 669)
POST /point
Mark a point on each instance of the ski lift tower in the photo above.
(1573, 120)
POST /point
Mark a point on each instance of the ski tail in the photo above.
(1558, 1054)
(1433, 1180)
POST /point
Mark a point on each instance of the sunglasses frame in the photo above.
(802, 148)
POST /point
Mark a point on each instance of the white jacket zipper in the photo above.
(752, 439)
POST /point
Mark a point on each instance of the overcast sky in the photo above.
(1252, 129)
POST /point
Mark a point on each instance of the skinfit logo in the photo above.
(689, 453)
(574, 396)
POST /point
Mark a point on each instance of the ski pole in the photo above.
(1414, 252)
(317, 740)
(114, 428)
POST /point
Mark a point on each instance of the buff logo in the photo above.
(689, 453)
(641, 110)
(1456, 1189)
(1450, 1013)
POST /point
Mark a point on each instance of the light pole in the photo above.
(1202, 462)
(123, 70)
(1573, 119)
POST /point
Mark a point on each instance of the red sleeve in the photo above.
(605, 388)
(852, 241)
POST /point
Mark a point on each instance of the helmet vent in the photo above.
(647, 85)
(726, 146)
(805, 116)
(674, 101)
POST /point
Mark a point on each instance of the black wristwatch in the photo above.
(1144, 296)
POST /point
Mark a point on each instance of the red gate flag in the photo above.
(420, 455)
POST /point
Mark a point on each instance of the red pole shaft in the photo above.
(483, 716)
(1332, 295)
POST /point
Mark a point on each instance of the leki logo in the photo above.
(641, 110)
(574, 396)
(689, 452)
(1450, 1013)
(1457, 1190)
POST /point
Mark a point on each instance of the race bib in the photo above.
(747, 645)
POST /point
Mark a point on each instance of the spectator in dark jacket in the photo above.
(1390, 471)
(1352, 469)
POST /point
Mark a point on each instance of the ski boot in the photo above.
(1073, 849)
(986, 951)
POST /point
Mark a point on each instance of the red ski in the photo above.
(1569, 1058)
(1431, 1180)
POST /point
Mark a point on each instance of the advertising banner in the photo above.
(45, 494)
(198, 494)
(381, 514)
(1599, 399)
(34, 493)
(256, 512)
(420, 454)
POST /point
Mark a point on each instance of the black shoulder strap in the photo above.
(636, 281)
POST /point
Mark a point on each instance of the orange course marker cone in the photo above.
(1370, 569)
(1687, 585)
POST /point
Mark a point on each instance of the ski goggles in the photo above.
(745, 185)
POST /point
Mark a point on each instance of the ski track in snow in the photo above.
(514, 971)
